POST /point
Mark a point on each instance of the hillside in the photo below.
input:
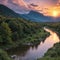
(5, 11)
(17, 31)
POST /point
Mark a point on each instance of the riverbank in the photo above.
(34, 52)
(18, 31)
(30, 40)
(53, 53)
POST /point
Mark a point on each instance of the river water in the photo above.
(34, 52)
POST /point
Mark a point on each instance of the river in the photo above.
(34, 52)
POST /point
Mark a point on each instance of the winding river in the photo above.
(34, 52)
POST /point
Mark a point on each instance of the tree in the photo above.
(5, 34)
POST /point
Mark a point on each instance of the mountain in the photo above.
(32, 15)
(7, 11)
(39, 17)
(19, 6)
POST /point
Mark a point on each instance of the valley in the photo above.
(27, 34)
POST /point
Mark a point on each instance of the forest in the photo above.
(16, 31)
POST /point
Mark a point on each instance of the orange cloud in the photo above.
(46, 6)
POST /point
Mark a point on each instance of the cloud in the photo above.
(3, 1)
(34, 5)
(45, 6)
(58, 3)
(20, 2)
(19, 6)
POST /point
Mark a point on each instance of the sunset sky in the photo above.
(47, 7)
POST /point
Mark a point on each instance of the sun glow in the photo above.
(55, 13)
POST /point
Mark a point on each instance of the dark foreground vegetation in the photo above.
(4, 55)
(15, 31)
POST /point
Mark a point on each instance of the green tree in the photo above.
(5, 34)
(4, 55)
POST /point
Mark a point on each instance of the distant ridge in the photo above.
(39, 17)
(7, 11)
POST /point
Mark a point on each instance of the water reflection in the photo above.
(34, 52)
(54, 36)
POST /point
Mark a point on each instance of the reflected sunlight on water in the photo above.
(54, 36)
(36, 52)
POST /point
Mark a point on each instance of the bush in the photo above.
(4, 55)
